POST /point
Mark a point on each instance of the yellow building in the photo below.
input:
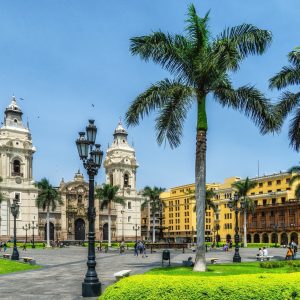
(271, 195)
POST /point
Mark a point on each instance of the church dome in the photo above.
(13, 106)
(120, 130)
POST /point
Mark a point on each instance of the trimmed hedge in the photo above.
(254, 287)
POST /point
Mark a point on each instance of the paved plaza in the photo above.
(64, 270)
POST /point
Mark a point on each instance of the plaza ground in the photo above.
(64, 270)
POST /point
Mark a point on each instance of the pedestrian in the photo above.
(144, 250)
(136, 253)
(1, 245)
(4, 247)
(122, 247)
(24, 247)
(289, 253)
(230, 244)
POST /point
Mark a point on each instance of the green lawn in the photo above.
(224, 270)
(8, 266)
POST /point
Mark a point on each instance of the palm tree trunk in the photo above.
(245, 228)
(48, 227)
(153, 228)
(109, 226)
(200, 181)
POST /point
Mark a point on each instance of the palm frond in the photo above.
(294, 130)
(294, 57)
(169, 123)
(297, 192)
(247, 38)
(252, 103)
(295, 178)
(164, 49)
(287, 76)
(197, 28)
(287, 103)
(155, 97)
(294, 169)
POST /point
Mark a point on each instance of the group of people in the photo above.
(227, 246)
(291, 251)
(262, 252)
(140, 247)
(3, 245)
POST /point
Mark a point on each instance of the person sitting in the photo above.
(265, 251)
(259, 254)
(289, 253)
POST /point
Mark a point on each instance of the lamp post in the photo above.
(15, 208)
(91, 155)
(136, 228)
(233, 207)
(26, 228)
(276, 236)
(122, 212)
(33, 227)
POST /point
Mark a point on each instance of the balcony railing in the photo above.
(17, 174)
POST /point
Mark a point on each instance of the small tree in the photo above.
(107, 195)
(154, 202)
(48, 198)
(243, 187)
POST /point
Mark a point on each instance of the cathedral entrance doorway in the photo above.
(51, 227)
(79, 230)
(105, 232)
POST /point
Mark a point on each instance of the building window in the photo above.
(288, 180)
(264, 202)
(278, 181)
(129, 205)
(129, 219)
(16, 167)
(126, 180)
(273, 201)
(17, 197)
(111, 179)
(260, 184)
(283, 200)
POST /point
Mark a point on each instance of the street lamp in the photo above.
(26, 228)
(136, 228)
(233, 207)
(33, 227)
(122, 212)
(91, 155)
(15, 209)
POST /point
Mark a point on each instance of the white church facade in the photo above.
(16, 163)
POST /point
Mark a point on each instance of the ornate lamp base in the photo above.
(91, 289)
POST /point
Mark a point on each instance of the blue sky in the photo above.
(63, 56)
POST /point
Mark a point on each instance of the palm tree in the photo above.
(154, 202)
(243, 187)
(107, 195)
(289, 102)
(48, 198)
(210, 194)
(295, 178)
(201, 66)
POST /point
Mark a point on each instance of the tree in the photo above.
(210, 194)
(107, 195)
(289, 102)
(243, 187)
(154, 202)
(295, 179)
(48, 198)
(201, 66)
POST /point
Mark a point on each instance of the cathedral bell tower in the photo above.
(16, 153)
(120, 166)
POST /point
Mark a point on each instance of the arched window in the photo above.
(79, 199)
(16, 167)
(126, 180)
(111, 179)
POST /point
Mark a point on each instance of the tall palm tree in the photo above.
(295, 170)
(154, 202)
(201, 66)
(107, 195)
(243, 187)
(289, 101)
(209, 202)
(48, 198)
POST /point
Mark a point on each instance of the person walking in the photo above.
(24, 247)
(289, 253)
(4, 247)
(136, 252)
(144, 250)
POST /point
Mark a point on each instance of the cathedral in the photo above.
(69, 221)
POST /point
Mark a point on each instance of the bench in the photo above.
(121, 274)
(213, 260)
(6, 255)
(29, 260)
(262, 258)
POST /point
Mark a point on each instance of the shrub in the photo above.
(272, 264)
(254, 287)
